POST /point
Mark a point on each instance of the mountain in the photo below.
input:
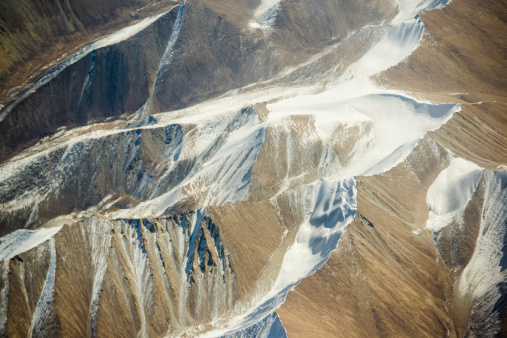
(253, 168)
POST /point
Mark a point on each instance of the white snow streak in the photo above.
(20, 241)
(411, 8)
(44, 307)
(98, 239)
(453, 187)
(4, 297)
(450, 193)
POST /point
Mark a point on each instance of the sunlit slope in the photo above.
(212, 163)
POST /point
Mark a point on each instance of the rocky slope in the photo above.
(255, 168)
(36, 33)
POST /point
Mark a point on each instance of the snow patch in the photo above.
(450, 193)
(44, 309)
(269, 327)
(399, 42)
(21, 241)
(453, 187)
(411, 8)
(417, 232)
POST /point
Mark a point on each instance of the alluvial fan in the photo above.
(253, 168)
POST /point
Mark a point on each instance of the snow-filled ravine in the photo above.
(330, 207)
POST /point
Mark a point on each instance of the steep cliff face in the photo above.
(108, 78)
(251, 168)
(160, 274)
(35, 33)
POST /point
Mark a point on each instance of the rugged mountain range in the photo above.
(253, 168)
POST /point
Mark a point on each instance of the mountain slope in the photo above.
(477, 133)
(196, 171)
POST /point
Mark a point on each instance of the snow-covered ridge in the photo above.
(205, 159)
(20, 241)
(411, 8)
(223, 152)
(450, 193)
(329, 207)
(399, 120)
(45, 306)
(453, 187)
